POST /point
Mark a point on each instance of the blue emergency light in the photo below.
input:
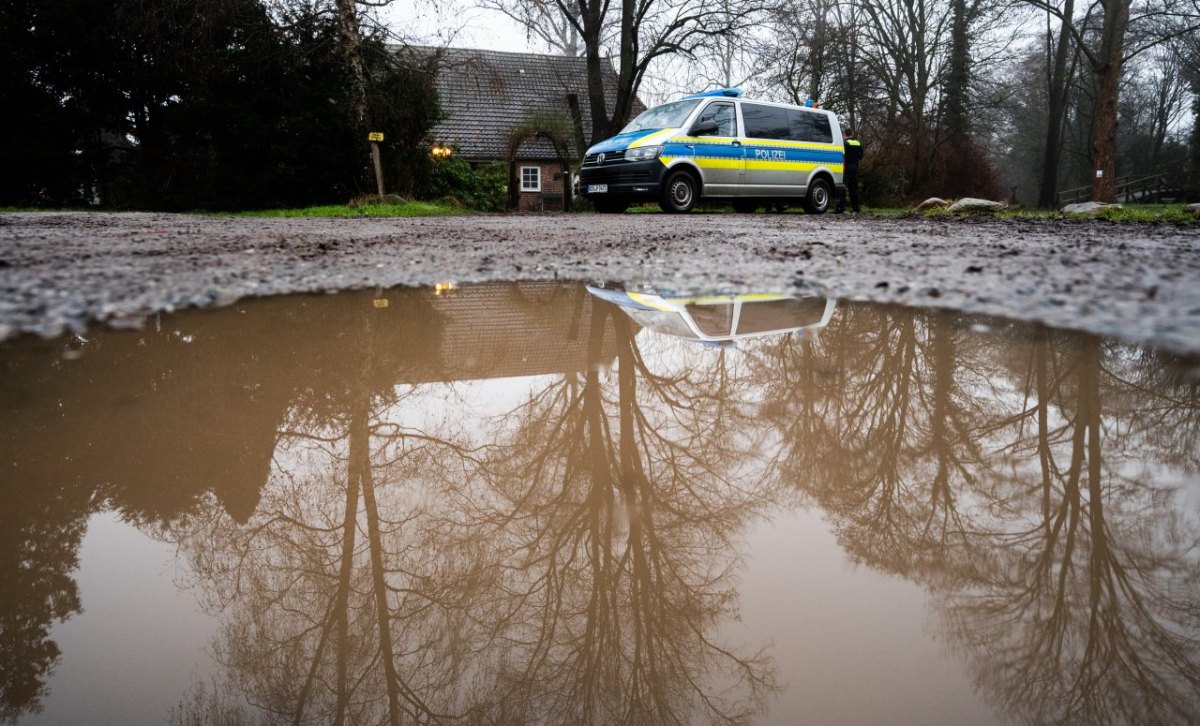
(730, 92)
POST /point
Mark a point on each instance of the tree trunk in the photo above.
(816, 55)
(595, 73)
(623, 104)
(576, 124)
(1194, 142)
(915, 177)
(852, 69)
(1104, 129)
(1055, 112)
(514, 185)
(351, 46)
(360, 459)
(959, 77)
(345, 573)
(351, 42)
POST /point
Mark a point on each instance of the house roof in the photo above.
(485, 94)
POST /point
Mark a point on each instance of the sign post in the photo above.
(375, 137)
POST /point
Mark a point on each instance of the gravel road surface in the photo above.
(63, 271)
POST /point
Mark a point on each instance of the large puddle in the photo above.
(544, 503)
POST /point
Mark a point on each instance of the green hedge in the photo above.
(484, 188)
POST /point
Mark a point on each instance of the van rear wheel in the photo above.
(820, 193)
(679, 193)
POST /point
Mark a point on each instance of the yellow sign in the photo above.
(375, 136)
(380, 302)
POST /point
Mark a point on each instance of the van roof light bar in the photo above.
(730, 92)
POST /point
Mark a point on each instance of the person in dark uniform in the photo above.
(854, 152)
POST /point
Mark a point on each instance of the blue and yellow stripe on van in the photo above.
(671, 304)
(710, 152)
(777, 155)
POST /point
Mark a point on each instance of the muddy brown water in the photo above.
(527, 503)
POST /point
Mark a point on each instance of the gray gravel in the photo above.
(62, 271)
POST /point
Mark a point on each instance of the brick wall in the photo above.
(533, 201)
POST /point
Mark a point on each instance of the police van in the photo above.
(720, 320)
(718, 145)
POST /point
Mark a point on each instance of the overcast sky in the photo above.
(457, 24)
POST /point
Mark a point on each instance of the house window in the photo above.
(531, 179)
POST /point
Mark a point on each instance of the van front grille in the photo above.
(603, 175)
(609, 157)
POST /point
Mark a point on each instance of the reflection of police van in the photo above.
(718, 145)
(720, 319)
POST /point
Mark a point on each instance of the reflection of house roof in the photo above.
(486, 94)
(196, 405)
(505, 330)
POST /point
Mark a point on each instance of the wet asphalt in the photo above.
(1140, 282)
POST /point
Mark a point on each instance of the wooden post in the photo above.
(375, 137)
(378, 167)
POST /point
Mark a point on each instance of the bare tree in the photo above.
(553, 25)
(1056, 86)
(805, 49)
(1146, 25)
(634, 34)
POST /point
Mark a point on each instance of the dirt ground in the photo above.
(1141, 282)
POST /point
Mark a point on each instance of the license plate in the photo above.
(597, 188)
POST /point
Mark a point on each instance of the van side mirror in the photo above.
(704, 128)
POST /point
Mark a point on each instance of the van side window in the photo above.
(809, 126)
(712, 319)
(722, 115)
(766, 122)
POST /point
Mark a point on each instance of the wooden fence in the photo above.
(1156, 189)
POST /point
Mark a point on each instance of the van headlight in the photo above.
(642, 153)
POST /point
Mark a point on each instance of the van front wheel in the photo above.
(679, 192)
(819, 196)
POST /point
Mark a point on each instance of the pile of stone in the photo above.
(965, 205)
(1088, 208)
(932, 203)
(971, 204)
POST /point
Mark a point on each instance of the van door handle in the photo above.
(736, 143)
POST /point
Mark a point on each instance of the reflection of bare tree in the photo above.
(1028, 484)
(1090, 613)
(568, 560)
(40, 533)
(396, 569)
(624, 508)
(878, 422)
(339, 608)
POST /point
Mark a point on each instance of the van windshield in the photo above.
(666, 116)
